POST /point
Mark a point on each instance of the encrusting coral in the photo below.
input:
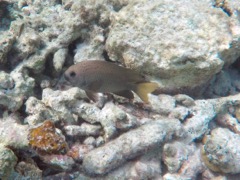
(45, 139)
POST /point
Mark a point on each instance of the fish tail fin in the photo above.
(144, 88)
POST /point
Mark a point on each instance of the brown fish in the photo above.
(102, 76)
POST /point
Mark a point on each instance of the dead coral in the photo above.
(223, 4)
(78, 151)
(58, 162)
(129, 145)
(28, 170)
(5, 15)
(221, 152)
(7, 162)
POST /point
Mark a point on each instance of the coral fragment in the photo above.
(46, 140)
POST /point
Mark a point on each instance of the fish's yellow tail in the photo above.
(144, 88)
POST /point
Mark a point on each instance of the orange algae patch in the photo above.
(45, 140)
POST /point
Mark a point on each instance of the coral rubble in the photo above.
(190, 129)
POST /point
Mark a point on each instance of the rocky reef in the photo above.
(189, 130)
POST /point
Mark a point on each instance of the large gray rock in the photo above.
(181, 44)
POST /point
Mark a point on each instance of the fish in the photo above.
(106, 77)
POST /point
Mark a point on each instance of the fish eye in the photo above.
(72, 74)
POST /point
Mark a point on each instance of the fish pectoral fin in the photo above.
(125, 93)
(142, 90)
(95, 85)
(92, 95)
